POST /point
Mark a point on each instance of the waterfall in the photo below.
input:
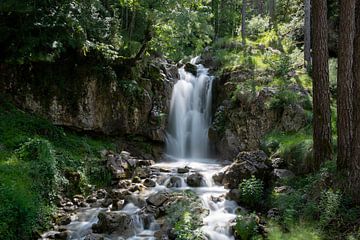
(190, 114)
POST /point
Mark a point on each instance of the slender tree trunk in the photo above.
(345, 82)
(272, 12)
(321, 91)
(215, 9)
(354, 178)
(243, 22)
(307, 35)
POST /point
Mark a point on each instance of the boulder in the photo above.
(293, 118)
(94, 236)
(149, 183)
(191, 68)
(185, 169)
(283, 174)
(142, 172)
(195, 180)
(158, 199)
(174, 181)
(114, 222)
(246, 164)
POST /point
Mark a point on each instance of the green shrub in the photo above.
(40, 156)
(251, 191)
(246, 226)
(182, 217)
(282, 99)
(256, 25)
(299, 232)
(22, 209)
(329, 206)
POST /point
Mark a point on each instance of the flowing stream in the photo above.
(187, 146)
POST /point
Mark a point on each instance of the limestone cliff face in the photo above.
(240, 125)
(115, 102)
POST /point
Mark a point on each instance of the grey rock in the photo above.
(114, 222)
(174, 181)
(195, 180)
(157, 199)
(283, 174)
(149, 183)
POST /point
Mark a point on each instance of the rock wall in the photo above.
(241, 125)
(87, 97)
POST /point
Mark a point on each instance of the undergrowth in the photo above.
(35, 157)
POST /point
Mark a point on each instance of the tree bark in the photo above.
(321, 91)
(354, 177)
(307, 35)
(345, 82)
(272, 12)
(243, 22)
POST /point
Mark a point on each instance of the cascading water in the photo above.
(190, 114)
(187, 142)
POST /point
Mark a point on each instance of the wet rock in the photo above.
(195, 180)
(283, 174)
(234, 195)
(174, 181)
(135, 199)
(94, 236)
(91, 199)
(118, 194)
(246, 164)
(106, 202)
(145, 163)
(136, 179)
(191, 68)
(142, 172)
(219, 176)
(165, 170)
(185, 169)
(117, 205)
(124, 184)
(62, 235)
(149, 183)
(114, 222)
(63, 220)
(101, 193)
(157, 199)
(136, 187)
(118, 166)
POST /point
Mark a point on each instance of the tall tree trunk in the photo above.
(243, 22)
(272, 12)
(354, 177)
(345, 82)
(321, 91)
(215, 10)
(307, 35)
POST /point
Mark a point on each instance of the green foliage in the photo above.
(34, 158)
(333, 75)
(246, 226)
(182, 216)
(24, 206)
(329, 205)
(41, 157)
(251, 191)
(257, 25)
(294, 233)
(283, 99)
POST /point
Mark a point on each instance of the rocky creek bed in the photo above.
(144, 194)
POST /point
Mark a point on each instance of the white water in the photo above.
(190, 114)
(187, 145)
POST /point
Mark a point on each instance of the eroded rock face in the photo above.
(98, 101)
(240, 125)
(245, 165)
